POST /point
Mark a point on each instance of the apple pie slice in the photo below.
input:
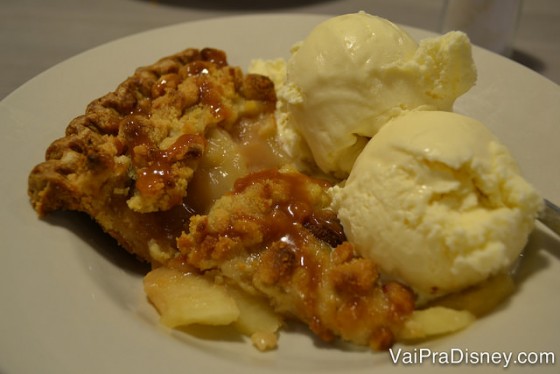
(129, 160)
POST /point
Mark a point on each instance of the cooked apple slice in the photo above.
(183, 299)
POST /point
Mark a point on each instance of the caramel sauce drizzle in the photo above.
(154, 165)
(290, 218)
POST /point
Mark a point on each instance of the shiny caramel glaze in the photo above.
(128, 161)
(275, 237)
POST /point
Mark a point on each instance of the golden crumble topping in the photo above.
(129, 159)
(275, 237)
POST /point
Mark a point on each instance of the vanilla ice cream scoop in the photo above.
(438, 202)
(354, 72)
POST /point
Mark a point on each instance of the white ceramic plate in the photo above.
(72, 302)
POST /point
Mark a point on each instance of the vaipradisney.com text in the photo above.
(462, 356)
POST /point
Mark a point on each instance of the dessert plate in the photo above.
(71, 301)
